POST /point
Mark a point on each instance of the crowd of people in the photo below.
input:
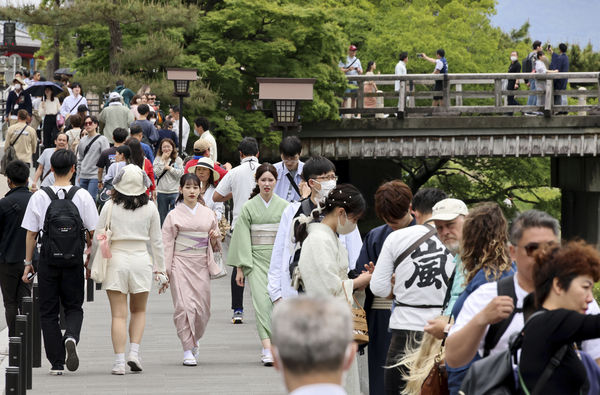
(438, 277)
(537, 62)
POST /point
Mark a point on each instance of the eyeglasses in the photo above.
(532, 247)
(328, 178)
(88, 123)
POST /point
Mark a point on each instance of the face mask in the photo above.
(513, 58)
(17, 86)
(348, 227)
(326, 187)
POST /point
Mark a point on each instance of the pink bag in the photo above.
(103, 253)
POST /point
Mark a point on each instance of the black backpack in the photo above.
(63, 237)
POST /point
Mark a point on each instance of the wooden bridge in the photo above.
(473, 120)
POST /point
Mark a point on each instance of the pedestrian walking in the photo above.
(191, 236)
(289, 183)
(75, 134)
(135, 226)
(168, 168)
(114, 116)
(60, 271)
(138, 159)
(207, 174)
(49, 109)
(22, 138)
(70, 106)
(43, 174)
(324, 260)
(253, 237)
(88, 152)
(12, 241)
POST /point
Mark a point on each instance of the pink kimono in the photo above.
(189, 263)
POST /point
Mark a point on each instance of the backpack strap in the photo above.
(72, 192)
(305, 207)
(506, 287)
(50, 193)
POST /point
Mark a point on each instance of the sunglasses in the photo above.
(88, 123)
(532, 247)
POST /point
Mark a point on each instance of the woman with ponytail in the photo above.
(323, 260)
(190, 237)
(251, 247)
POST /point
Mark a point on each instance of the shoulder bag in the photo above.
(10, 153)
(103, 253)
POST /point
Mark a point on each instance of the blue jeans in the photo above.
(90, 185)
(166, 203)
(532, 100)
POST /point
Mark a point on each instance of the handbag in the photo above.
(103, 253)
(359, 319)
(224, 227)
(436, 382)
(218, 257)
(60, 121)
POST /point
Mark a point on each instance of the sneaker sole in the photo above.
(237, 321)
(56, 373)
(134, 366)
(267, 363)
(119, 373)
(72, 361)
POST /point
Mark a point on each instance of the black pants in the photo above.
(393, 381)
(13, 289)
(379, 344)
(50, 131)
(237, 292)
(60, 286)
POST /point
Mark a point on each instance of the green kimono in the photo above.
(250, 250)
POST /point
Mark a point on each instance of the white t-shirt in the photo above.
(44, 160)
(186, 131)
(399, 70)
(439, 65)
(540, 67)
(213, 144)
(240, 182)
(483, 295)
(39, 202)
(421, 278)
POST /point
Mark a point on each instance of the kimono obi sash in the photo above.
(195, 243)
(381, 303)
(263, 234)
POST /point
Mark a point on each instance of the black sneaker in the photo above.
(238, 317)
(72, 358)
(57, 370)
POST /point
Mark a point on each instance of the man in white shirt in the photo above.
(307, 366)
(174, 112)
(351, 66)
(201, 129)
(44, 168)
(319, 173)
(400, 68)
(288, 186)
(484, 307)
(237, 185)
(73, 101)
(59, 283)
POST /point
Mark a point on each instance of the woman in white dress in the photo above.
(135, 225)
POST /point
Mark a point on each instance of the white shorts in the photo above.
(130, 268)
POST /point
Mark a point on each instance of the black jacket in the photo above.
(21, 101)
(12, 235)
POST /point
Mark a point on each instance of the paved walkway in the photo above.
(229, 361)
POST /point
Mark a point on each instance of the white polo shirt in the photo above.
(39, 202)
(483, 295)
(240, 182)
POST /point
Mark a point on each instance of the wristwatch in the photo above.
(26, 263)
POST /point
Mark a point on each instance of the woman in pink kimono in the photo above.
(190, 235)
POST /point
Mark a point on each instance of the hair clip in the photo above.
(344, 202)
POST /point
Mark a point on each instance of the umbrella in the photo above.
(66, 71)
(38, 88)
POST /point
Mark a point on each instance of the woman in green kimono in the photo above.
(251, 247)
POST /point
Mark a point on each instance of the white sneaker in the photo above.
(196, 352)
(190, 362)
(72, 361)
(118, 368)
(267, 359)
(133, 360)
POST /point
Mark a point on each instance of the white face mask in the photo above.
(348, 227)
(326, 187)
(513, 58)
(17, 86)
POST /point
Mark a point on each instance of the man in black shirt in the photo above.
(515, 67)
(150, 133)
(12, 240)
(107, 157)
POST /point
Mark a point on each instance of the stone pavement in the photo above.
(229, 354)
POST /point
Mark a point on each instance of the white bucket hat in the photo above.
(207, 163)
(130, 181)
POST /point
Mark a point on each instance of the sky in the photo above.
(554, 21)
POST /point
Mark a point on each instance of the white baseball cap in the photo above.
(447, 210)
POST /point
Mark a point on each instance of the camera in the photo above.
(419, 55)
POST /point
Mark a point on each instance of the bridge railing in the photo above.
(454, 96)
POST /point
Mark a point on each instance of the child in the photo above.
(190, 235)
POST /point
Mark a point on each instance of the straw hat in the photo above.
(207, 163)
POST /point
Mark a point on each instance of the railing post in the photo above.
(497, 93)
(15, 355)
(21, 331)
(360, 97)
(402, 99)
(582, 100)
(27, 302)
(13, 382)
(446, 96)
(411, 98)
(459, 98)
(549, 100)
(37, 328)
(90, 290)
